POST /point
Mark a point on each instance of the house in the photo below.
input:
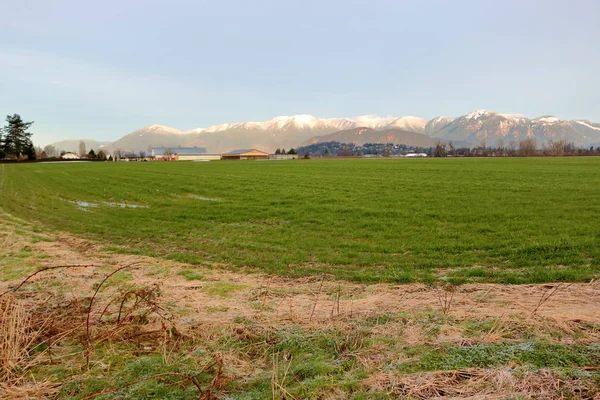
(416, 155)
(132, 156)
(183, 154)
(246, 154)
(70, 156)
(283, 156)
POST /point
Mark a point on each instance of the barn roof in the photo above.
(242, 151)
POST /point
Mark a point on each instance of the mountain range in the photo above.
(475, 128)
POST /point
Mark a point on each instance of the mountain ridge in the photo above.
(477, 127)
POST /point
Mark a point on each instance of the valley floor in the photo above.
(162, 329)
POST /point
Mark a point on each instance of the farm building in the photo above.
(283, 156)
(70, 156)
(246, 154)
(183, 154)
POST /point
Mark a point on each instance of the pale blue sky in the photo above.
(101, 69)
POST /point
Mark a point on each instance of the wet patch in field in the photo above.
(194, 196)
(124, 205)
(86, 206)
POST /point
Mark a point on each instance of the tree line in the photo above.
(282, 151)
(523, 148)
(16, 143)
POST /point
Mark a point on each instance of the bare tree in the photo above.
(82, 150)
(439, 149)
(483, 145)
(51, 151)
(39, 152)
(512, 148)
(500, 145)
(556, 148)
(142, 155)
(528, 147)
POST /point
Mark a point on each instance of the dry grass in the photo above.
(33, 322)
(21, 334)
(18, 334)
(488, 383)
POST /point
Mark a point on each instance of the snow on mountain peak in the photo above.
(476, 114)
(299, 121)
(549, 119)
(408, 123)
(372, 121)
(304, 119)
(588, 125)
(162, 128)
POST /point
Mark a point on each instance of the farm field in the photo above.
(160, 329)
(318, 279)
(462, 220)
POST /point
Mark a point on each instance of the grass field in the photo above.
(524, 220)
(100, 320)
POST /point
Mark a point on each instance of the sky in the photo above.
(102, 69)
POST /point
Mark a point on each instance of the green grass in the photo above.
(484, 220)
(190, 275)
(529, 354)
(222, 289)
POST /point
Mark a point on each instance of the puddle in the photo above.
(193, 196)
(83, 205)
(124, 205)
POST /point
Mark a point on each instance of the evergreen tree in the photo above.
(92, 154)
(277, 151)
(16, 141)
(292, 151)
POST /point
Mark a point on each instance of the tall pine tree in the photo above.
(16, 141)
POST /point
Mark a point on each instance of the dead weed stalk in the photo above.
(445, 296)
(547, 295)
(29, 332)
(278, 389)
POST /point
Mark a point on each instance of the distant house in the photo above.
(70, 156)
(246, 154)
(183, 154)
(283, 156)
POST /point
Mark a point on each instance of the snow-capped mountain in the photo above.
(492, 128)
(290, 131)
